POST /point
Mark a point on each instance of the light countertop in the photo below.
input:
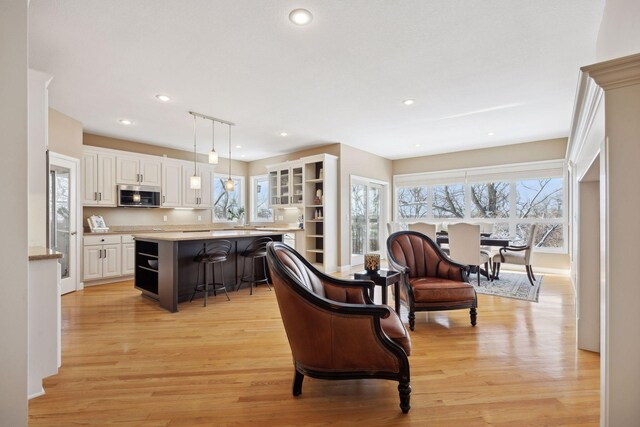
(190, 227)
(39, 253)
(205, 235)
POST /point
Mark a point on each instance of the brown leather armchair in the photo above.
(431, 281)
(335, 331)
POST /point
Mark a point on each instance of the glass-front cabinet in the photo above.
(286, 185)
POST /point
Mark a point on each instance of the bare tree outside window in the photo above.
(448, 201)
(262, 210)
(412, 202)
(490, 200)
(228, 205)
(540, 198)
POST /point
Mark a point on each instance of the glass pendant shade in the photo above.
(195, 183)
(229, 184)
(213, 157)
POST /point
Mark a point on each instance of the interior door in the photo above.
(368, 207)
(62, 217)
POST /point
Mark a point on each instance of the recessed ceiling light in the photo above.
(242, 155)
(284, 134)
(238, 146)
(300, 16)
(163, 98)
(408, 101)
(491, 134)
(418, 145)
(126, 122)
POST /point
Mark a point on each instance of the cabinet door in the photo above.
(150, 172)
(89, 179)
(285, 186)
(92, 262)
(112, 260)
(171, 185)
(274, 197)
(206, 175)
(128, 258)
(107, 180)
(297, 186)
(127, 170)
(189, 196)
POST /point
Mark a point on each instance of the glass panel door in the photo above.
(60, 215)
(358, 222)
(367, 219)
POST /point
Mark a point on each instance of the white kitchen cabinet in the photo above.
(128, 259)
(98, 179)
(201, 198)
(171, 184)
(286, 185)
(102, 257)
(134, 170)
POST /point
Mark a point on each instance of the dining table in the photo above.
(485, 240)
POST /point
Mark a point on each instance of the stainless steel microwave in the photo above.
(138, 196)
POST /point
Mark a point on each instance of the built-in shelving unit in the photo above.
(147, 268)
(320, 212)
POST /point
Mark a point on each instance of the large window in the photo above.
(228, 205)
(260, 211)
(511, 204)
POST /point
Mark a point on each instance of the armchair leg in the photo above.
(297, 383)
(404, 388)
(412, 320)
(496, 270)
(474, 315)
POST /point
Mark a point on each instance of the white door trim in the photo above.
(385, 212)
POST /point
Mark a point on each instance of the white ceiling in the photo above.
(473, 67)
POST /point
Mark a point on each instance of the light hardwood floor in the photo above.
(128, 362)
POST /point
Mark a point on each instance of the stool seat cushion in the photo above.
(211, 258)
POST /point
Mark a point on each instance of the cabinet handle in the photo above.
(95, 195)
(141, 177)
(164, 199)
(100, 197)
(105, 253)
(100, 254)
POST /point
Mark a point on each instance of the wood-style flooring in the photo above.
(126, 361)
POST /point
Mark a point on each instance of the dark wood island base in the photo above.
(165, 266)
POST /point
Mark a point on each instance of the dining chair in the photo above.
(464, 246)
(518, 255)
(392, 227)
(425, 228)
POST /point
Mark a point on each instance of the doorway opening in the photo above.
(368, 213)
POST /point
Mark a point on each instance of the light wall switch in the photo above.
(165, 218)
(199, 217)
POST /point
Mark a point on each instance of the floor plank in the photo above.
(128, 362)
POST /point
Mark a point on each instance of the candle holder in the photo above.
(372, 262)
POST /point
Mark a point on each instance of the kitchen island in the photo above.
(165, 269)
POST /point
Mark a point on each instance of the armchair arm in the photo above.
(512, 249)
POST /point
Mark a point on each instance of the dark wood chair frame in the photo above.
(345, 309)
(404, 282)
(496, 265)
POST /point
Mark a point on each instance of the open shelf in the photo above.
(315, 206)
(315, 251)
(314, 220)
(316, 236)
(315, 180)
(147, 268)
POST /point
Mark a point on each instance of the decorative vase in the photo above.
(372, 262)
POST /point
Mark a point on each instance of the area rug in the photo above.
(510, 285)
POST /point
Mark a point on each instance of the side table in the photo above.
(383, 278)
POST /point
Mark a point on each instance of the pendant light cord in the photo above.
(213, 135)
(194, 145)
(229, 151)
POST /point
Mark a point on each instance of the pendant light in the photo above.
(229, 185)
(195, 183)
(213, 156)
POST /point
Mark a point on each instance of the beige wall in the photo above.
(549, 149)
(363, 164)
(13, 213)
(65, 134)
(259, 167)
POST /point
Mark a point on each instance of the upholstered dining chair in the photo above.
(425, 228)
(518, 255)
(335, 330)
(392, 227)
(464, 247)
(430, 280)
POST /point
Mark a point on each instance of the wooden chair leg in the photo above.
(478, 274)
(497, 271)
(404, 388)
(473, 313)
(297, 383)
(529, 275)
(412, 320)
(531, 270)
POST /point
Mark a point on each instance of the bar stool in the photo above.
(211, 254)
(255, 251)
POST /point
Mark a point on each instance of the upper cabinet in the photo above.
(133, 170)
(200, 199)
(98, 179)
(171, 184)
(285, 185)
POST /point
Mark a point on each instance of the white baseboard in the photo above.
(107, 281)
(546, 270)
(36, 394)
